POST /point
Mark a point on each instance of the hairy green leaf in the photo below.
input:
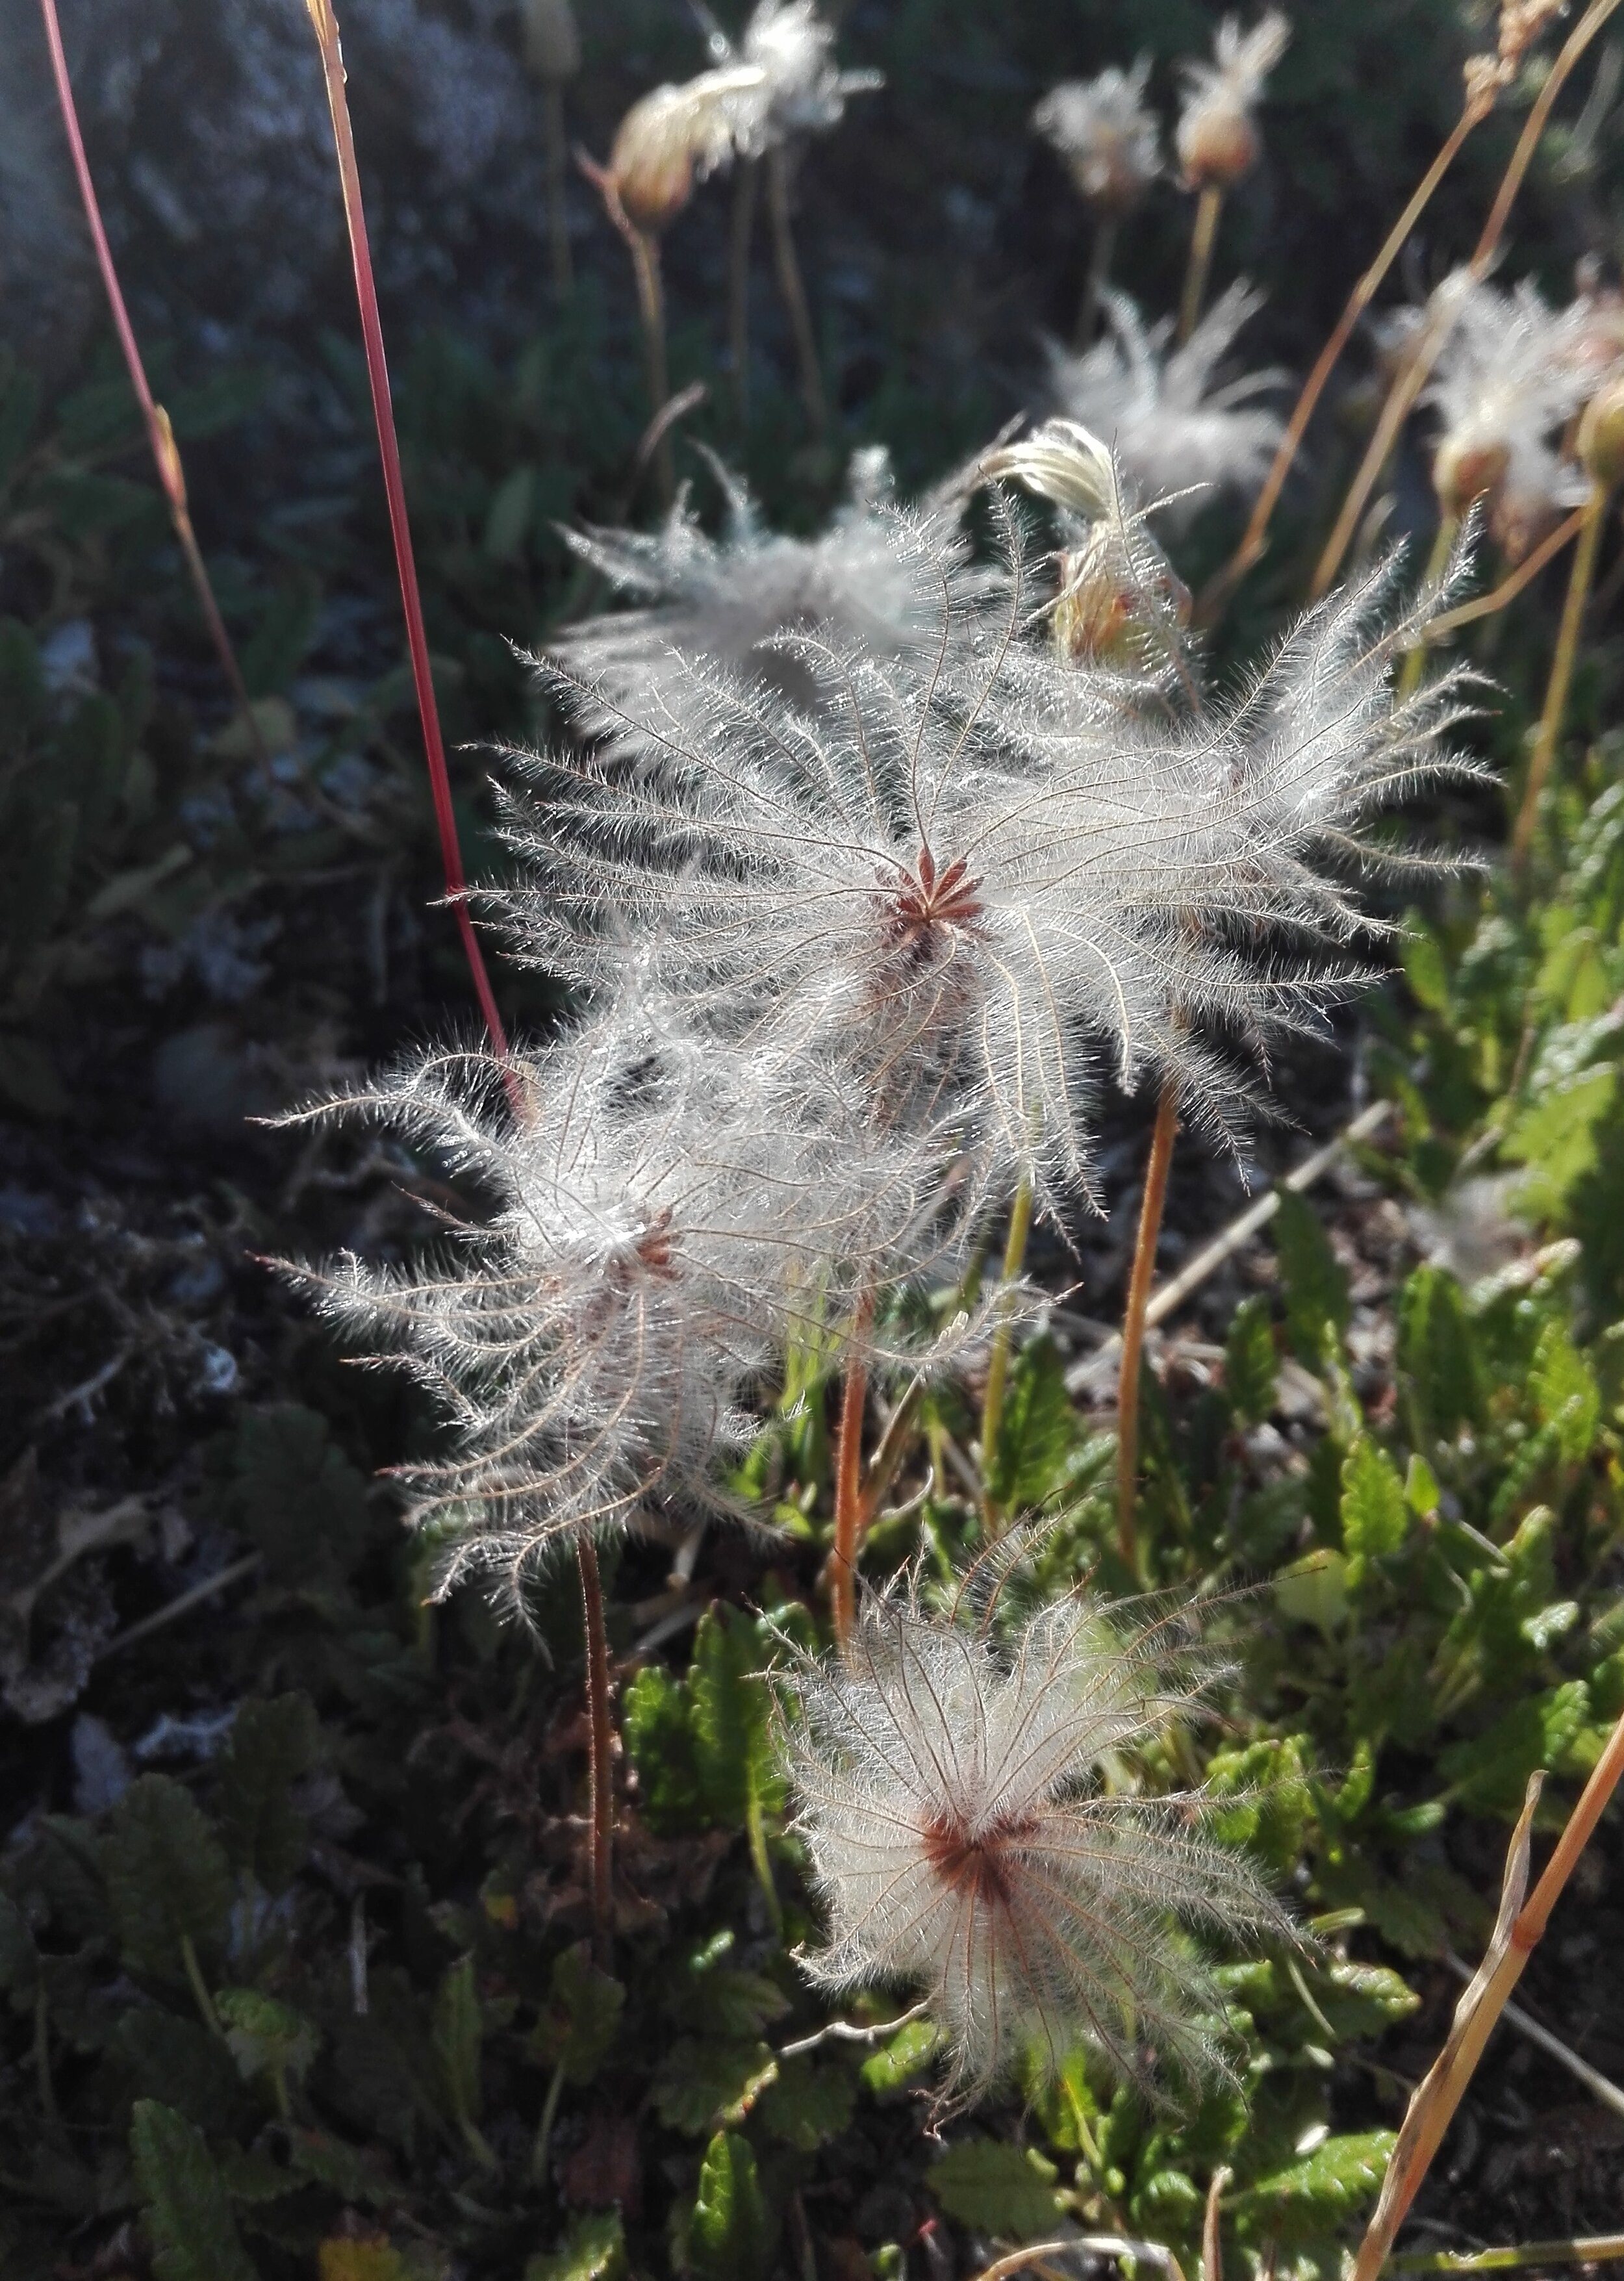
(581, 2018)
(1375, 1516)
(273, 1743)
(594, 2251)
(184, 2204)
(1250, 1364)
(732, 2235)
(1317, 2190)
(1316, 1304)
(167, 1878)
(998, 2189)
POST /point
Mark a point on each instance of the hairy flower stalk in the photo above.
(951, 1790)
(1175, 426)
(1217, 138)
(160, 434)
(1110, 144)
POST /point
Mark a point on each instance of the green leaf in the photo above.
(1489, 1774)
(908, 2053)
(581, 2018)
(273, 1743)
(1314, 1591)
(717, 2000)
(1361, 1999)
(184, 2205)
(265, 2036)
(1038, 1435)
(731, 2236)
(657, 1729)
(700, 2081)
(732, 1719)
(1318, 2192)
(1565, 1396)
(297, 1496)
(1557, 1139)
(1426, 969)
(274, 652)
(1250, 1364)
(594, 2251)
(1436, 1352)
(998, 2189)
(809, 2104)
(1375, 1516)
(167, 1877)
(1317, 1303)
(459, 2041)
(182, 2063)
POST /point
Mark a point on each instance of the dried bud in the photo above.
(1218, 146)
(1106, 613)
(673, 137)
(551, 42)
(1467, 470)
(167, 452)
(1601, 435)
(1217, 140)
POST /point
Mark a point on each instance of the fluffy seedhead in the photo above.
(968, 871)
(974, 1830)
(1512, 370)
(1105, 131)
(729, 598)
(658, 1223)
(675, 137)
(1217, 135)
(1174, 427)
(802, 90)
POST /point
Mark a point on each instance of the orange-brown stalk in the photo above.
(160, 434)
(600, 1789)
(326, 24)
(851, 1503)
(1133, 1323)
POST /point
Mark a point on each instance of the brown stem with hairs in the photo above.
(651, 309)
(160, 434)
(1100, 256)
(793, 290)
(745, 185)
(1408, 384)
(1133, 1323)
(600, 1761)
(851, 1505)
(1202, 240)
(1485, 606)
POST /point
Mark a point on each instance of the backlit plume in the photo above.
(1512, 370)
(972, 1834)
(1217, 136)
(1106, 136)
(1175, 426)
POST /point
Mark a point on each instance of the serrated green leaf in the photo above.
(1437, 1352)
(1004, 2190)
(1250, 1364)
(1317, 1303)
(459, 2041)
(581, 2018)
(1557, 1139)
(299, 1498)
(1038, 1433)
(180, 2061)
(657, 1729)
(1314, 1591)
(1375, 1516)
(732, 1719)
(1319, 2190)
(1361, 2000)
(717, 2000)
(908, 2053)
(731, 2236)
(1489, 1774)
(701, 2080)
(594, 2251)
(184, 2205)
(265, 2036)
(808, 2102)
(167, 1877)
(273, 1743)
(1567, 1398)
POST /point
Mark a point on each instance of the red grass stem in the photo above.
(850, 1503)
(160, 434)
(600, 1792)
(1133, 1323)
(389, 451)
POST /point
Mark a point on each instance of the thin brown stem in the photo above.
(1314, 387)
(794, 292)
(744, 184)
(1133, 1323)
(600, 1783)
(160, 434)
(556, 154)
(1485, 606)
(1415, 657)
(326, 26)
(1201, 239)
(850, 1505)
(1408, 384)
(1100, 256)
(651, 309)
(998, 1362)
(1582, 572)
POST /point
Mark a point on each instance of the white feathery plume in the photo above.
(957, 1793)
(727, 598)
(1104, 131)
(972, 868)
(803, 90)
(662, 1219)
(1217, 136)
(1512, 370)
(1178, 432)
(674, 136)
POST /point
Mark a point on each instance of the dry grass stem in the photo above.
(1580, 578)
(1156, 1170)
